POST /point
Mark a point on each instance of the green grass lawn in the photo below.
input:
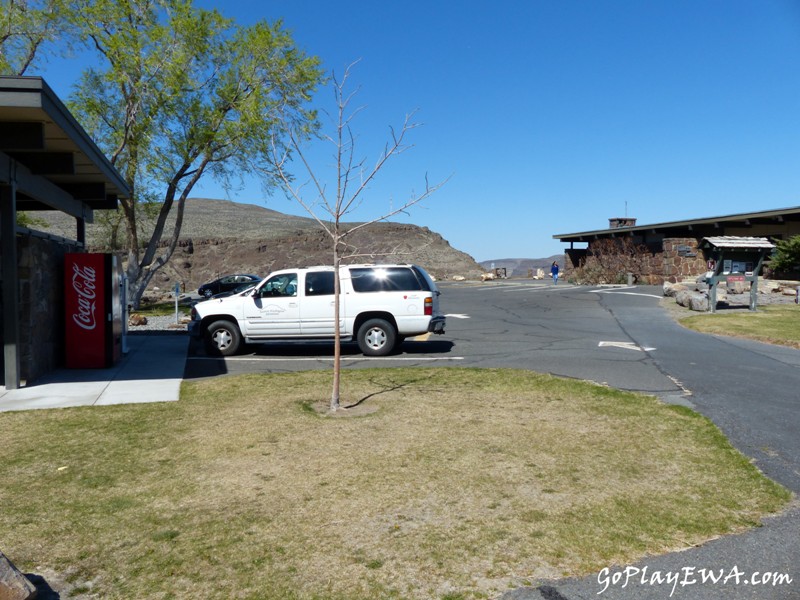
(438, 483)
(163, 309)
(774, 324)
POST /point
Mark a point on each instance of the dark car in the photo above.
(242, 287)
(226, 284)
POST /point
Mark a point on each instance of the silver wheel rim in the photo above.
(222, 339)
(375, 338)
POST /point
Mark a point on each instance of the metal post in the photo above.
(712, 295)
(10, 278)
(177, 294)
(754, 293)
(124, 299)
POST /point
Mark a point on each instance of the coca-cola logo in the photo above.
(84, 282)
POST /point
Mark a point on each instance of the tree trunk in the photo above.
(337, 336)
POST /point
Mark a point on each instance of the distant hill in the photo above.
(220, 237)
(520, 267)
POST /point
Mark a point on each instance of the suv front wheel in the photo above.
(376, 337)
(223, 338)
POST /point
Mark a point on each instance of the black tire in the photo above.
(376, 337)
(223, 338)
(398, 343)
(207, 293)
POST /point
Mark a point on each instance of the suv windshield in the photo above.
(387, 279)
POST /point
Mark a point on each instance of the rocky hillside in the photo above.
(220, 237)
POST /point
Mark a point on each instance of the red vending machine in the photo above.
(93, 310)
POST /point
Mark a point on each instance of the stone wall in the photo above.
(678, 263)
(41, 304)
(670, 259)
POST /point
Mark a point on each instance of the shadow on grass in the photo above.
(43, 589)
(386, 389)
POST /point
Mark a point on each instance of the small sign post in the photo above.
(177, 293)
(734, 259)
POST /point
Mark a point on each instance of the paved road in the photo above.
(618, 336)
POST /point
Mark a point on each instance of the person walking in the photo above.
(554, 272)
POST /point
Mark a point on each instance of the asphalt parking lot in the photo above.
(564, 331)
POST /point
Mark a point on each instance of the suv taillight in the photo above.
(428, 306)
(194, 314)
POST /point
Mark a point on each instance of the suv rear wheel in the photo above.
(376, 337)
(223, 338)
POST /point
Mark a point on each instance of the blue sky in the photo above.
(550, 116)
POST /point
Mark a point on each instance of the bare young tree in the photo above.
(352, 177)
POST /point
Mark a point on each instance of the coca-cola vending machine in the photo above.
(93, 310)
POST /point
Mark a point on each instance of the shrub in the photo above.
(787, 255)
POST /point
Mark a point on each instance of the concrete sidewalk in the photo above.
(151, 371)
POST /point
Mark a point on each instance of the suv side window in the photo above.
(319, 283)
(280, 285)
(389, 279)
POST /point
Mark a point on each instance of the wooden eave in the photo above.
(53, 162)
(704, 227)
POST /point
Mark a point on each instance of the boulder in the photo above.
(693, 300)
(767, 287)
(672, 289)
(683, 297)
(738, 287)
(699, 302)
(137, 320)
(13, 584)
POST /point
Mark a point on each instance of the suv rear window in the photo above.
(389, 279)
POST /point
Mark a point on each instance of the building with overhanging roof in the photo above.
(675, 245)
(47, 162)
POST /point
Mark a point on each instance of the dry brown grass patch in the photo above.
(462, 483)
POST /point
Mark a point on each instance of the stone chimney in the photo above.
(621, 222)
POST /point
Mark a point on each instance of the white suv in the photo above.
(380, 305)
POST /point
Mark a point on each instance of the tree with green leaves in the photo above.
(787, 255)
(352, 178)
(28, 30)
(181, 93)
(177, 94)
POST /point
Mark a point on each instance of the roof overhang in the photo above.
(52, 161)
(732, 242)
(696, 226)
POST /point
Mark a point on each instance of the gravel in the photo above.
(160, 324)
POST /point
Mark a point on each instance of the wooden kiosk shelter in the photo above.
(47, 162)
(734, 259)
